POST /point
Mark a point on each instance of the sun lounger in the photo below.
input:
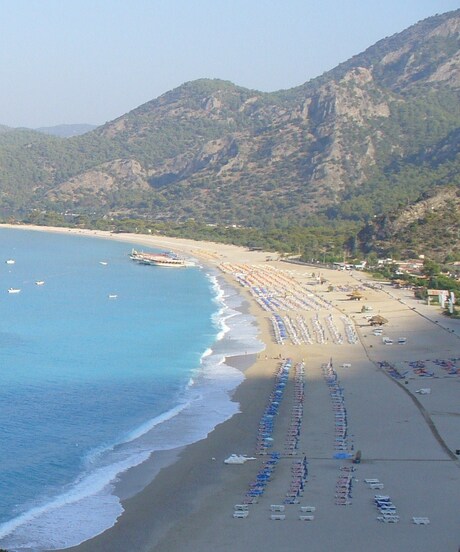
(240, 514)
(241, 507)
(421, 520)
(376, 485)
(277, 508)
(388, 519)
(306, 517)
(308, 508)
(278, 516)
(369, 481)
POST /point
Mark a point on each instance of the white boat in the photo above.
(103, 263)
(113, 296)
(14, 290)
(10, 261)
(159, 259)
(39, 282)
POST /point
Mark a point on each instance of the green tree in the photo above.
(431, 268)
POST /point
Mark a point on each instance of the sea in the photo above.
(102, 363)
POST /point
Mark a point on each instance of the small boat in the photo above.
(103, 263)
(10, 261)
(113, 296)
(39, 282)
(14, 290)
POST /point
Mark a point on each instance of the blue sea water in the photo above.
(91, 385)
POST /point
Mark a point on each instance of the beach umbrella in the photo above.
(378, 320)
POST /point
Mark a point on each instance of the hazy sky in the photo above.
(90, 61)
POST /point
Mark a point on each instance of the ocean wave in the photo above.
(204, 403)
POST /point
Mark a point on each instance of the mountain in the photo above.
(66, 131)
(430, 224)
(362, 140)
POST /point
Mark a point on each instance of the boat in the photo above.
(14, 290)
(103, 263)
(166, 259)
(10, 261)
(39, 282)
(113, 296)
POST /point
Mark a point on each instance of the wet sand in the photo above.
(408, 440)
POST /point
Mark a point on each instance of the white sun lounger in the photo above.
(242, 507)
(277, 508)
(240, 514)
(369, 481)
(307, 508)
(278, 516)
(421, 520)
(376, 485)
(306, 517)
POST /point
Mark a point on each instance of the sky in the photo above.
(91, 61)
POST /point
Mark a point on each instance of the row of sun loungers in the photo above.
(257, 487)
(266, 425)
(384, 504)
(350, 332)
(343, 488)
(333, 330)
(273, 289)
(318, 330)
(295, 426)
(299, 477)
(264, 437)
(338, 406)
(297, 331)
(386, 508)
(279, 512)
(304, 331)
(279, 329)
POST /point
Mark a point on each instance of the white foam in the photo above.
(90, 506)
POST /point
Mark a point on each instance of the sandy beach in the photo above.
(345, 391)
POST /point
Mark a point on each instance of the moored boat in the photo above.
(10, 261)
(14, 290)
(159, 259)
(40, 282)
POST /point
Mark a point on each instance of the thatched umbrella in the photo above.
(355, 295)
(378, 320)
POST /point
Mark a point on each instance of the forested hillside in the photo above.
(363, 141)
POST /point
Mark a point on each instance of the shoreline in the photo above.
(190, 501)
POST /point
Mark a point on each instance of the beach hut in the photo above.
(378, 320)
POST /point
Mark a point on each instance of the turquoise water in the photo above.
(90, 385)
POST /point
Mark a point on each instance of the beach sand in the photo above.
(408, 440)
